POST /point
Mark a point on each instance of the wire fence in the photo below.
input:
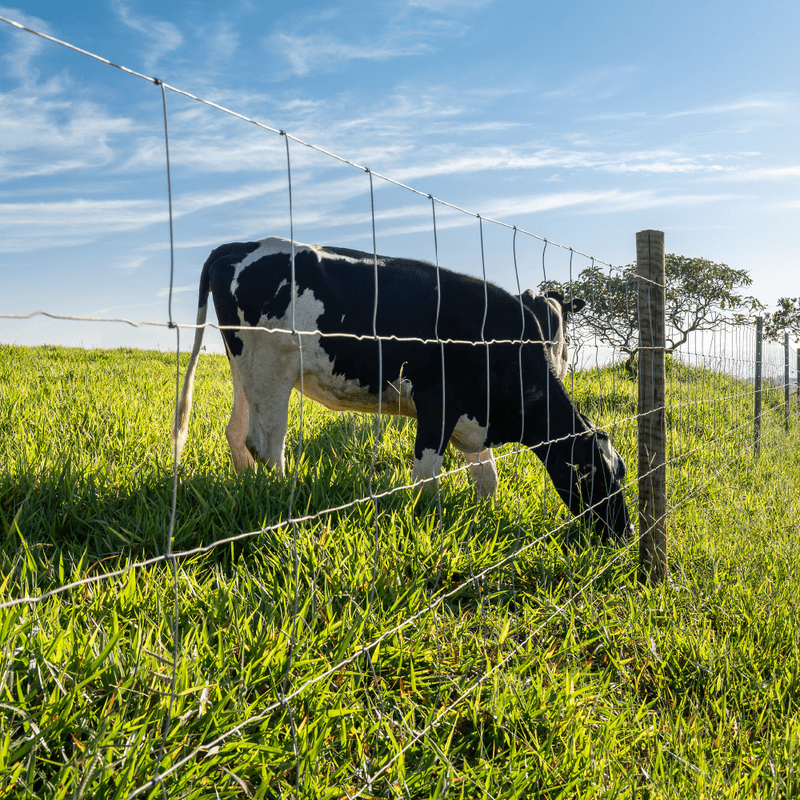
(465, 598)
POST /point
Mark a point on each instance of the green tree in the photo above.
(700, 294)
(785, 320)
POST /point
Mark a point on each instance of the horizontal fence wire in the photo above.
(709, 395)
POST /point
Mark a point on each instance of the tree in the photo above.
(699, 295)
(785, 320)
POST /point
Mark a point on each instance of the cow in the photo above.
(443, 348)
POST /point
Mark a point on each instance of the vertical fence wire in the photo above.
(482, 469)
(517, 456)
(298, 458)
(174, 500)
(440, 515)
(376, 528)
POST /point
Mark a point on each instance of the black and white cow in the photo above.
(432, 370)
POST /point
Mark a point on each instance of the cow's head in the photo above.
(568, 307)
(598, 477)
(607, 450)
(588, 474)
(550, 310)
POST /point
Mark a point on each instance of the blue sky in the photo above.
(583, 122)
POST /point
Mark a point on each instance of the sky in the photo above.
(580, 122)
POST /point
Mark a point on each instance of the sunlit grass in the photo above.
(596, 687)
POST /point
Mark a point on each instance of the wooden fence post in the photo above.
(757, 409)
(786, 379)
(651, 411)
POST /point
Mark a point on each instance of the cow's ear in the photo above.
(578, 304)
(554, 295)
(528, 298)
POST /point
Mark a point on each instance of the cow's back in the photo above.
(417, 306)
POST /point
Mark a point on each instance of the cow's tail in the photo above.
(180, 423)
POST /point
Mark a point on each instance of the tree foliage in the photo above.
(699, 295)
(785, 320)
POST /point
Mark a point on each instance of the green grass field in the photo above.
(516, 655)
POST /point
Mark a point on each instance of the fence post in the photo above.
(786, 378)
(757, 410)
(651, 411)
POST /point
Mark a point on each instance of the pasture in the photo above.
(553, 675)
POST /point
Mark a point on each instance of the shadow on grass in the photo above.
(65, 518)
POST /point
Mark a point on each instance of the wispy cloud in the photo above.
(164, 37)
(32, 226)
(525, 158)
(223, 39)
(306, 54)
(764, 173)
(191, 287)
(744, 104)
(789, 205)
(130, 263)
(43, 134)
(593, 85)
(35, 226)
(440, 6)
(621, 116)
(412, 28)
(23, 47)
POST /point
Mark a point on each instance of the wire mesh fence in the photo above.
(337, 627)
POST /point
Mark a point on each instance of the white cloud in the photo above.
(789, 205)
(73, 222)
(405, 28)
(622, 116)
(223, 39)
(24, 46)
(745, 104)
(191, 287)
(247, 150)
(765, 173)
(101, 312)
(448, 6)
(479, 159)
(164, 36)
(306, 54)
(593, 85)
(196, 201)
(510, 209)
(43, 134)
(35, 225)
(116, 215)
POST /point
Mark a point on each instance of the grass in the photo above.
(552, 675)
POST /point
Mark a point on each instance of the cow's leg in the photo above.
(269, 421)
(433, 434)
(263, 380)
(236, 432)
(483, 471)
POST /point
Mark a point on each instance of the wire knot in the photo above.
(157, 81)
